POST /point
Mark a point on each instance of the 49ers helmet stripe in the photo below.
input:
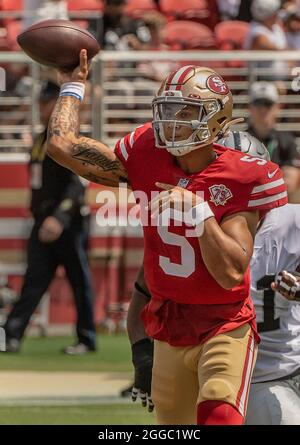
(175, 79)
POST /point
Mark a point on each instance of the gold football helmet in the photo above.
(192, 107)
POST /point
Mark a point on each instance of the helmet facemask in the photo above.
(180, 124)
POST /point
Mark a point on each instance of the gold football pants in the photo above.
(219, 369)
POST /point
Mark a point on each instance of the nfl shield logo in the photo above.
(183, 182)
(219, 194)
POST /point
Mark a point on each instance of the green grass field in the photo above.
(44, 354)
(76, 415)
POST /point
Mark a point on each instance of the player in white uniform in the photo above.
(275, 391)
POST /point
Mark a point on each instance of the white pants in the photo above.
(274, 403)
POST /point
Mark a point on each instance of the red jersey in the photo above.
(174, 269)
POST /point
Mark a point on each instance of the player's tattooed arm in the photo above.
(65, 117)
(86, 157)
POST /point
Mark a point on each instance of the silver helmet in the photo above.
(245, 142)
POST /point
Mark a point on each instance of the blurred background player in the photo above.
(59, 236)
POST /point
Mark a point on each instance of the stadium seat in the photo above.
(13, 28)
(183, 35)
(85, 5)
(4, 43)
(11, 5)
(137, 8)
(196, 10)
(231, 35)
(8, 6)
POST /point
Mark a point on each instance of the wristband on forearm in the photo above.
(73, 89)
(197, 215)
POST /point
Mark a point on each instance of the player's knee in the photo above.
(216, 389)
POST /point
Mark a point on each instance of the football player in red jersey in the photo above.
(141, 344)
(198, 231)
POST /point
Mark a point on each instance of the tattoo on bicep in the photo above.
(65, 121)
(89, 154)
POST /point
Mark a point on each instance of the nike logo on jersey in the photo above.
(271, 175)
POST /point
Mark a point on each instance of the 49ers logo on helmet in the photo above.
(217, 84)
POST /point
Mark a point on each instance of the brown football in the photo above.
(57, 43)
